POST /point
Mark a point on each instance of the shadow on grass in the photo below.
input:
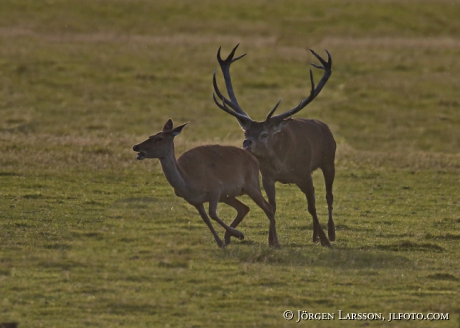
(448, 236)
(131, 306)
(443, 276)
(10, 174)
(338, 227)
(316, 256)
(408, 246)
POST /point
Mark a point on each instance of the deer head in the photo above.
(159, 145)
(259, 136)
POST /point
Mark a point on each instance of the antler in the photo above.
(327, 67)
(241, 118)
(232, 103)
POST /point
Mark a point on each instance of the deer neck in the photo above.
(274, 161)
(173, 172)
(270, 163)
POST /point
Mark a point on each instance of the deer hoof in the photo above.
(276, 246)
(331, 237)
(326, 243)
(331, 234)
(236, 233)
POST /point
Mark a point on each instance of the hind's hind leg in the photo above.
(241, 210)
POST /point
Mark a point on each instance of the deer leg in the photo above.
(329, 174)
(205, 218)
(257, 197)
(241, 210)
(269, 187)
(309, 190)
(213, 214)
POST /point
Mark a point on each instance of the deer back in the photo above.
(302, 143)
(214, 166)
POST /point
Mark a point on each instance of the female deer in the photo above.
(210, 174)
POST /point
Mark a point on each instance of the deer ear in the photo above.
(168, 126)
(278, 126)
(177, 130)
(244, 124)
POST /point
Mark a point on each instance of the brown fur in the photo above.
(210, 174)
(288, 150)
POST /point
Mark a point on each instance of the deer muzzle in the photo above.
(140, 154)
(247, 144)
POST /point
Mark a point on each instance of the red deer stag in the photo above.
(288, 150)
(210, 174)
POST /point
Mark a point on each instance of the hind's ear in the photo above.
(168, 126)
(178, 129)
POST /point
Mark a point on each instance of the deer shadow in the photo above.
(313, 255)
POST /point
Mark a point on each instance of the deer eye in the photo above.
(264, 136)
(155, 139)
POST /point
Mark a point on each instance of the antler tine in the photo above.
(230, 56)
(221, 96)
(224, 107)
(273, 110)
(225, 67)
(327, 64)
(216, 88)
(304, 102)
(327, 67)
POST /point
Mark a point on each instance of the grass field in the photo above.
(91, 237)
